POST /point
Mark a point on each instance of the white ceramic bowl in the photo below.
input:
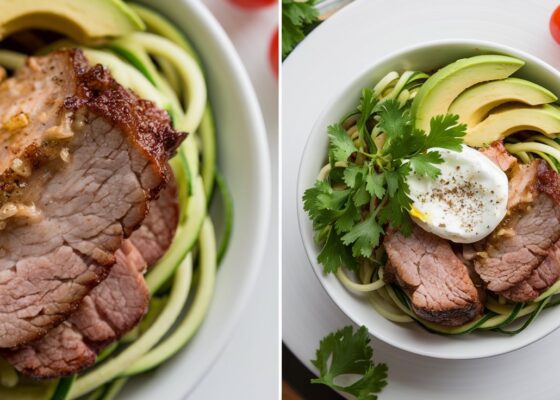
(410, 337)
(243, 159)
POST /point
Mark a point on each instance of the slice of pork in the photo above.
(522, 177)
(80, 158)
(154, 237)
(103, 317)
(523, 240)
(522, 187)
(542, 277)
(107, 313)
(435, 279)
(499, 155)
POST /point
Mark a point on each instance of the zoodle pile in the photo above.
(363, 191)
(158, 64)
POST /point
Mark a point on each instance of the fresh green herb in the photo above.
(297, 18)
(347, 353)
(351, 209)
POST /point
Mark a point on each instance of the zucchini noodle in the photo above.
(11, 59)
(189, 71)
(161, 66)
(385, 308)
(388, 299)
(358, 287)
(532, 147)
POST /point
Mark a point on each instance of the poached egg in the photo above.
(466, 202)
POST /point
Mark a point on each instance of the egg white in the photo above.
(466, 202)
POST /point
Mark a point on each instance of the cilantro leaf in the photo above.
(297, 18)
(446, 132)
(394, 121)
(354, 174)
(323, 197)
(396, 215)
(365, 237)
(350, 353)
(341, 144)
(399, 202)
(299, 12)
(345, 219)
(422, 164)
(324, 204)
(392, 179)
(368, 102)
(375, 184)
(409, 142)
(335, 254)
(291, 36)
(373, 381)
(348, 218)
(361, 196)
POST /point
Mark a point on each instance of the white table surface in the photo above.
(249, 366)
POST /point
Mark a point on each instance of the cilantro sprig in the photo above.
(298, 17)
(366, 189)
(347, 353)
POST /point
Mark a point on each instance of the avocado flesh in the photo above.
(475, 103)
(439, 91)
(544, 119)
(84, 21)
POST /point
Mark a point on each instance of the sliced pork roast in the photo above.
(112, 308)
(154, 237)
(499, 155)
(527, 235)
(436, 280)
(80, 159)
(108, 312)
(542, 277)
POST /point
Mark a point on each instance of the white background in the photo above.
(249, 366)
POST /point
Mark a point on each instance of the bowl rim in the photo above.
(262, 221)
(199, 11)
(309, 243)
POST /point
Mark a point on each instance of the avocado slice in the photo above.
(544, 119)
(83, 21)
(475, 103)
(439, 91)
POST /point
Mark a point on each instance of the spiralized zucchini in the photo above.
(389, 300)
(159, 65)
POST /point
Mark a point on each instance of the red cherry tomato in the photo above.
(253, 3)
(273, 52)
(555, 24)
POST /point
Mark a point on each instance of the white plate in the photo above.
(320, 68)
(244, 160)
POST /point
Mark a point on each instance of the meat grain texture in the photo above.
(436, 280)
(519, 259)
(80, 159)
(155, 234)
(111, 309)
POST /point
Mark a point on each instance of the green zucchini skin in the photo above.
(63, 388)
